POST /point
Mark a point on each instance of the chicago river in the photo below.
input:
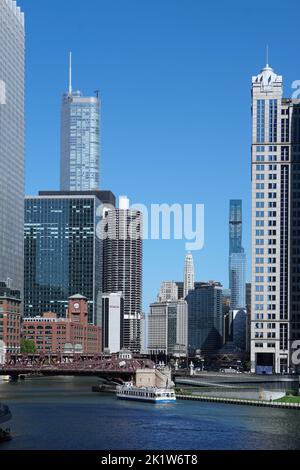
(63, 414)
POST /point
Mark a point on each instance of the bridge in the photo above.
(74, 365)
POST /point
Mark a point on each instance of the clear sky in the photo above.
(174, 79)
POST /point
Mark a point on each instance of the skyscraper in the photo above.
(189, 274)
(12, 49)
(275, 301)
(80, 141)
(205, 318)
(122, 266)
(237, 257)
(63, 254)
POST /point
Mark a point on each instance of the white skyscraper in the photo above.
(12, 57)
(275, 317)
(189, 274)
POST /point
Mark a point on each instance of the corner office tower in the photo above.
(80, 141)
(12, 44)
(275, 318)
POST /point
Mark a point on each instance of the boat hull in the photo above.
(147, 399)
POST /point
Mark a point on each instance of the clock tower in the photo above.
(78, 309)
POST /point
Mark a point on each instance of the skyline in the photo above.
(123, 70)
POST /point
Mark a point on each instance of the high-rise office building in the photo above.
(189, 274)
(12, 51)
(237, 257)
(275, 302)
(205, 318)
(63, 253)
(122, 266)
(80, 141)
(167, 328)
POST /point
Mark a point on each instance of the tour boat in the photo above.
(150, 394)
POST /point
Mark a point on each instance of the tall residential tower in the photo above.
(122, 266)
(275, 302)
(12, 45)
(80, 141)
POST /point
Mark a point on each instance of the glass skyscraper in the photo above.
(205, 318)
(63, 254)
(12, 44)
(80, 142)
(237, 257)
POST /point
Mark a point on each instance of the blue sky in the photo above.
(174, 78)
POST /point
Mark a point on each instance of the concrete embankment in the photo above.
(238, 401)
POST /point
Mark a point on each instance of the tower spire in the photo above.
(267, 56)
(70, 74)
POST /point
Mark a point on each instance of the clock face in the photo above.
(76, 305)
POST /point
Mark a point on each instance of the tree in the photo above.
(27, 346)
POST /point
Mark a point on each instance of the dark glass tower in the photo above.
(235, 226)
(63, 254)
(205, 318)
(237, 257)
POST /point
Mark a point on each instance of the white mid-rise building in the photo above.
(112, 322)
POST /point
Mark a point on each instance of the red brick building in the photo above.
(52, 334)
(10, 318)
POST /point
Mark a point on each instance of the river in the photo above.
(62, 413)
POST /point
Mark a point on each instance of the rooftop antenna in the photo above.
(97, 93)
(267, 56)
(70, 74)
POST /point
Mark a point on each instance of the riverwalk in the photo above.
(240, 401)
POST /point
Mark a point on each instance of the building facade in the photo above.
(275, 301)
(113, 319)
(205, 318)
(80, 141)
(51, 334)
(122, 266)
(63, 253)
(12, 51)
(167, 328)
(237, 257)
(168, 291)
(10, 318)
